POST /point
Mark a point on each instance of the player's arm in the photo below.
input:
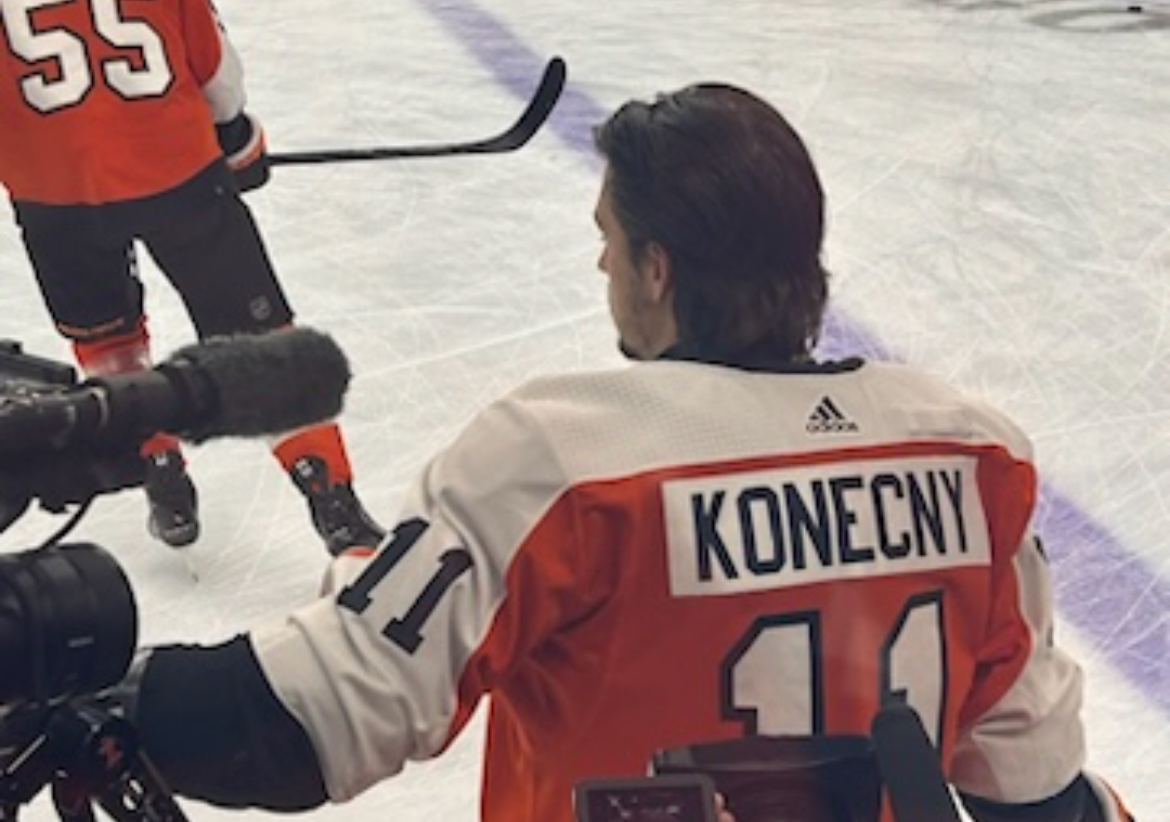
(213, 60)
(218, 69)
(212, 725)
(392, 667)
(1020, 753)
(388, 669)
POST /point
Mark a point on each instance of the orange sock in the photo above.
(160, 443)
(119, 354)
(123, 354)
(323, 441)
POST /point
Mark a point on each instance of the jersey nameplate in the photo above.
(800, 525)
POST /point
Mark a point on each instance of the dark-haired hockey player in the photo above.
(725, 538)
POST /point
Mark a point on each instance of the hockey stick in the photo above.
(520, 132)
(910, 768)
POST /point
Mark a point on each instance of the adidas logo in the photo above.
(827, 418)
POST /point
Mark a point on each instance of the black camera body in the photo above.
(68, 620)
(17, 366)
(31, 468)
(68, 616)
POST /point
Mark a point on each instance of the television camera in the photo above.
(68, 618)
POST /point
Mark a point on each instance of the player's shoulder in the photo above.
(631, 388)
(587, 381)
(887, 401)
(933, 406)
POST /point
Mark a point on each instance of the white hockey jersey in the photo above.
(678, 552)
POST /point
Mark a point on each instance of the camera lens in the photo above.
(68, 623)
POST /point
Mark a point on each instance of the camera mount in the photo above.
(87, 754)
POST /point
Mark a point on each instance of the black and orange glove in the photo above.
(245, 149)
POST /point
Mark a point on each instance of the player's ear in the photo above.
(658, 271)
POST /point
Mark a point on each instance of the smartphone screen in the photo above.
(682, 798)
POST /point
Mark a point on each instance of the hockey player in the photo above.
(124, 122)
(725, 538)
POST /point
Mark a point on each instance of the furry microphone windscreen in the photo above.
(264, 383)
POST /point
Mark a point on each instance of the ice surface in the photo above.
(998, 173)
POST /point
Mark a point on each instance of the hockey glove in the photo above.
(245, 149)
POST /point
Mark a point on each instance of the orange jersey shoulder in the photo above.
(102, 100)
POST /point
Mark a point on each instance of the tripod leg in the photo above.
(71, 799)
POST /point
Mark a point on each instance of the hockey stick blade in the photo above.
(544, 99)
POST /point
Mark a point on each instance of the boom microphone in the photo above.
(238, 386)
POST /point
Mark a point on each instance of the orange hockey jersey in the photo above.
(675, 553)
(110, 100)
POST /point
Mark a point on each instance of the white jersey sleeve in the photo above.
(1028, 744)
(390, 660)
(222, 79)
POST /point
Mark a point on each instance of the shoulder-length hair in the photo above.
(721, 181)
